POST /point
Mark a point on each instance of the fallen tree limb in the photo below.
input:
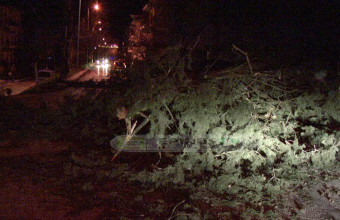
(246, 55)
(131, 132)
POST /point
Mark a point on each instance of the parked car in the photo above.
(119, 65)
(46, 75)
(118, 69)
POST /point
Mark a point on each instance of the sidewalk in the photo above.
(17, 86)
(76, 75)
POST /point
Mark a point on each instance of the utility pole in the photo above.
(88, 35)
(78, 34)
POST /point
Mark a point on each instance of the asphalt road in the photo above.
(18, 86)
(96, 75)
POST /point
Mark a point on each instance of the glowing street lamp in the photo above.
(100, 29)
(96, 7)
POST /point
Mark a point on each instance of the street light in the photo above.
(78, 34)
(96, 7)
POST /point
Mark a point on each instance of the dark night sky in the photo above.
(312, 24)
(49, 12)
(117, 13)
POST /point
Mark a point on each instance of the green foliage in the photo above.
(262, 135)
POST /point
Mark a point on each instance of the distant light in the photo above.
(103, 38)
(100, 29)
(105, 43)
(96, 7)
(95, 48)
(99, 22)
(103, 63)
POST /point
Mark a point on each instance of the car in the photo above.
(119, 65)
(46, 75)
(118, 69)
(103, 63)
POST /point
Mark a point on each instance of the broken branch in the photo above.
(131, 132)
(246, 55)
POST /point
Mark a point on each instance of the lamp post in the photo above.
(88, 34)
(96, 7)
(78, 34)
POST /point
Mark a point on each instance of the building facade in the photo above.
(10, 35)
(164, 23)
(150, 29)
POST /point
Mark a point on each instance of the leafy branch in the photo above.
(131, 131)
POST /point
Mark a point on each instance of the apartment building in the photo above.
(10, 34)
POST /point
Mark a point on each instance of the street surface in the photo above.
(19, 86)
(96, 75)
